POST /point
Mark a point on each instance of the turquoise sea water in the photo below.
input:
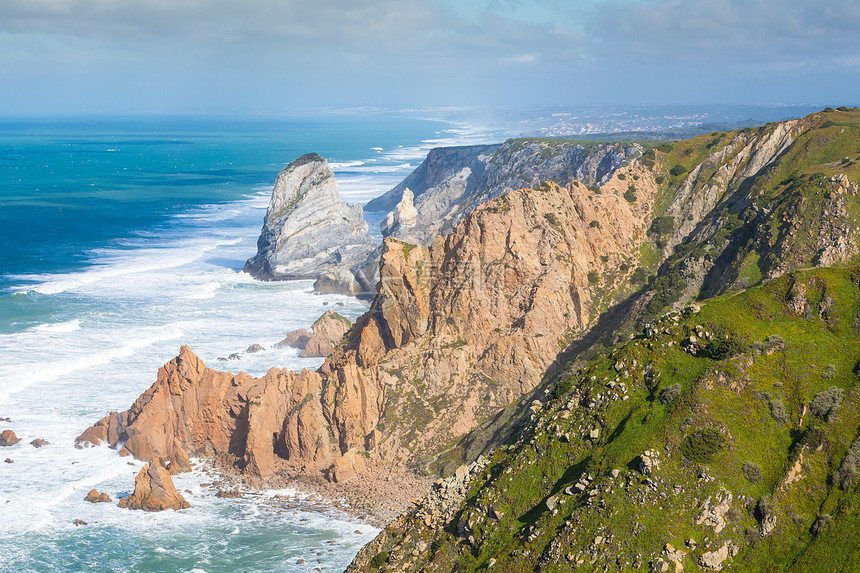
(120, 240)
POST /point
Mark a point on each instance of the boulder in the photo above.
(39, 442)
(9, 461)
(78, 522)
(255, 348)
(154, 491)
(95, 497)
(295, 339)
(8, 438)
(308, 230)
(328, 331)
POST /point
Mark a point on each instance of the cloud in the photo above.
(723, 31)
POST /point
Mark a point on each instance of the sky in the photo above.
(271, 56)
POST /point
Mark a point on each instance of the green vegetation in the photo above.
(710, 417)
(630, 194)
(701, 446)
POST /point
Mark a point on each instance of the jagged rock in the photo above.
(400, 222)
(714, 511)
(154, 491)
(308, 230)
(296, 339)
(328, 331)
(715, 559)
(475, 318)
(648, 462)
(8, 438)
(452, 181)
(95, 497)
(228, 493)
(192, 410)
(39, 443)
(255, 348)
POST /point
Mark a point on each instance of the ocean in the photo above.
(120, 240)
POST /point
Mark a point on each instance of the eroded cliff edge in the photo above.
(456, 331)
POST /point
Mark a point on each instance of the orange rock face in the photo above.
(154, 491)
(95, 497)
(457, 331)
(328, 331)
(8, 438)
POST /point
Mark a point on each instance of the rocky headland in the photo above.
(308, 230)
(526, 353)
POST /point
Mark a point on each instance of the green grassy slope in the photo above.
(524, 511)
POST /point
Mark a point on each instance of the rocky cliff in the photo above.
(457, 330)
(308, 229)
(720, 436)
(453, 181)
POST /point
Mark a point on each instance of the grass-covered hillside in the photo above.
(725, 436)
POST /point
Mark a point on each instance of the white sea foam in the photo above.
(59, 327)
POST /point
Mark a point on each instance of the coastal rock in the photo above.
(308, 230)
(400, 222)
(95, 497)
(463, 328)
(192, 410)
(40, 443)
(295, 339)
(255, 348)
(452, 181)
(8, 438)
(328, 331)
(154, 491)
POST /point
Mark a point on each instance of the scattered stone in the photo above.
(229, 493)
(95, 497)
(714, 511)
(8, 438)
(39, 442)
(551, 502)
(255, 348)
(78, 522)
(9, 461)
(5, 419)
(235, 356)
(300, 561)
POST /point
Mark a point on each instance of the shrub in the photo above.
(630, 194)
(621, 177)
(664, 147)
(379, 560)
(594, 224)
(662, 225)
(764, 508)
(774, 341)
(593, 277)
(752, 472)
(846, 475)
(777, 410)
(821, 523)
(659, 179)
(669, 394)
(829, 372)
(677, 170)
(826, 403)
(639, 276)
(723, 346)
(701, 446)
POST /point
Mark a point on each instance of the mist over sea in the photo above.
(122, 240)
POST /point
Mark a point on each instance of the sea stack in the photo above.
(308, 229)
